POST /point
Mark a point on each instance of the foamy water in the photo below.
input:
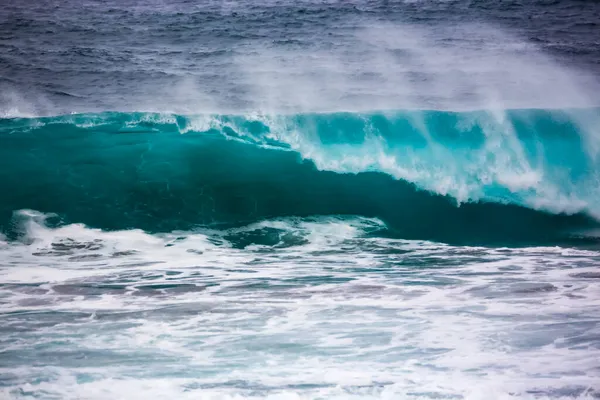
(323, 312)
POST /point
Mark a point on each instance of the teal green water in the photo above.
(470, 177)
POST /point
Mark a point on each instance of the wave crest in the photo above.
(410, 168)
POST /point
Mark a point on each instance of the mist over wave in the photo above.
(361, 65)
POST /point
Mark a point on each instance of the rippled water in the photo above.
(230, 55)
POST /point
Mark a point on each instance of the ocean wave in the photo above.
(468, 177)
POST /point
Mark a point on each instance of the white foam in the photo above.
(337, 316)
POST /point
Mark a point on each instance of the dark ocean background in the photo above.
(299, 200)
(228, 56)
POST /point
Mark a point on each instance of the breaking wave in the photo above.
(457, 177)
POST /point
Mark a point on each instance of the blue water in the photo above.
(309, 200)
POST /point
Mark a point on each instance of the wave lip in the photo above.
(476, 177)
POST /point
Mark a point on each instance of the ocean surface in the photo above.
(300, 200)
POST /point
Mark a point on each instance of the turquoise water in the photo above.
(468, 177)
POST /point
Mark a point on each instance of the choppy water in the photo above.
(327, 312)
(308, 200)
(227, 56)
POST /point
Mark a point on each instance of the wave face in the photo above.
(468, 177)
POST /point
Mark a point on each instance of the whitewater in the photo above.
(308, 200)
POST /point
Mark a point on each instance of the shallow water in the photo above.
(327, 312)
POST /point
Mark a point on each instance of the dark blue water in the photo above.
(228, 55)
(299, 200)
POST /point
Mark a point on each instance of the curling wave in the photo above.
(468, 177)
